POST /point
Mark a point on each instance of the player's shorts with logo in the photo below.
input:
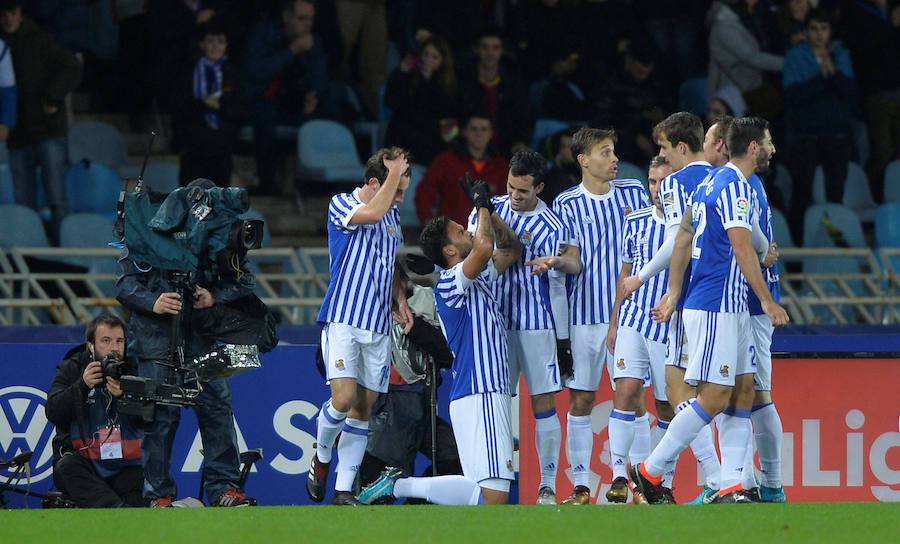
(363, 355)
(636, 355)
(762, 353)
(482, 426)
(533, 354)
(590, 356)
(721, 346)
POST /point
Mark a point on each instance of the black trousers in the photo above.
(76, 477)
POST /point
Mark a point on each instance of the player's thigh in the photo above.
(632, 358)
(657, 352)
(514, 356)
(376, 362)
(677, 342)
(762, 329)
(537, 360)
(342, 351)
(720, 349)
(482, 426)
(589, 356)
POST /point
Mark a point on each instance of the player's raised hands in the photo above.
(398, 164)
(664, 310)
(478, 192)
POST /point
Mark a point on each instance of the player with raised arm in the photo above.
(363, 237)
(594, 212)
(717, 237)
(638, 343)
(535, 306)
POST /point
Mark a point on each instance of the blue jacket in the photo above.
(267, 57)
(816, 105)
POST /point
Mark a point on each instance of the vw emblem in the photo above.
(24, 427)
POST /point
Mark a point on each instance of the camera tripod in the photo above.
(19, 466)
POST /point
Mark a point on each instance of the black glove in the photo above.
(564, 358)
(419, 264)
(479, 193)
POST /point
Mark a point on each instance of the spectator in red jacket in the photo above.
(439, 193)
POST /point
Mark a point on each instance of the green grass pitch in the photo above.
(758, 523)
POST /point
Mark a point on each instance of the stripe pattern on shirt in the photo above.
(361, 262)
(765, 223)
(644, 234)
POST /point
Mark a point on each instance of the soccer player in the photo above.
(717, 237)
(475, 328)
(363, 236)
(535, 305)
(767, 427)
(594, 212)
(638, 343)
(680, 140)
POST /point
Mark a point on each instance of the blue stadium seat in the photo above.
(546, 127)
(857, 194)
(327, 152)
(88, 230)
(887, 230)
(97, 141)
(407, 208)
(7, 194)
(93, 189)
(784, 182)
(21, 226)
(780, 229)
(162, 177)
(892, 181)
(860, 134)
(629, 170)
(692, 96)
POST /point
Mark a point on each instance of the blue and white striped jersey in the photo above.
(723, 201)
(595, 223)
(475, 331)
(644, 234)
(525, 299)
(361, 262)
(765, 223)
(675, 194)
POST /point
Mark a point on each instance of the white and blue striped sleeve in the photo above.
(628, 242)
(673, 200)
(341, 210)
(735, 205)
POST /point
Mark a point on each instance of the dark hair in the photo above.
(722, 122)
(445, 75)
(681, 127)
(489, 31)
(433, 239)
(288, 5)
(478, 113)
(586, 138)
(528, 163)
(213, 27)
(375, 167)
(742, 131)
(108, 320)
(658, 161)
(817, 14)
(641, 52)
(9, 5)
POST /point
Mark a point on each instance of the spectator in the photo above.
(287, 80)
(726, 101)
(439, 192)
(677, 29)
(211, 111)
(820, 99)
(500, 91)
(634, 100)
(422, 96)
(45, 73)
(8, 99)
(791, 21)
(611, 25)
(364, 30)
(565, 172)
(873, 37)
(737, 56)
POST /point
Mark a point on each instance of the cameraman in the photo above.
(96, 450)
(152, 297)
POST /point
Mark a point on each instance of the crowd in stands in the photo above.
(462, 82)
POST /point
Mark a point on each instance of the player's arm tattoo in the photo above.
(504, 237)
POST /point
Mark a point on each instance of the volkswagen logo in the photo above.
(24, 427)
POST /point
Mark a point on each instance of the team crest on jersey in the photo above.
(526, 237)
(742, 204)
(627, 210)
(509, 464)
(339, 364)
(392, 229)
(723, 370)
(620, 364)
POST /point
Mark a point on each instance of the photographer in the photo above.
(96, 450)
(152, 295)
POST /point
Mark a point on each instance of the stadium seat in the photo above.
(546, 127)
(692, 96)
(21, 226)
(93, 188)
(97, 141)
(327, 152)
(162, 177)
(88, 230)
(7, 194)
(857, 194)
(384, 112)
(892, 181)
(887, 231)
(784, 182)
(407, 208)
(629, 170)
(860, 134)
(780, 229)
(815, 234)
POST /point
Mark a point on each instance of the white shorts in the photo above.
(533, 353)
(677, 343)
(483, 430)
(721, 346)
(350, 352)
(636, 355)
(590, 356)
(762, 329)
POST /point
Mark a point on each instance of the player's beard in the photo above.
(762, 163)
